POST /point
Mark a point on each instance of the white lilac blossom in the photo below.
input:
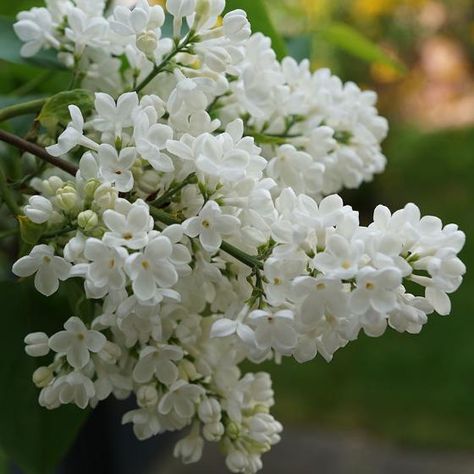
(203, 224)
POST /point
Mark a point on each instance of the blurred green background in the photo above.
(416, 390)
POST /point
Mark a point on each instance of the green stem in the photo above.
(174, 190)
(270, 139)
(162, 66)
(58, 233)
(25, 108)
(249, 260)
(7, 195)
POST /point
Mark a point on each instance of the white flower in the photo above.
(341, 258)
(296, 169)
(73, 135)
(375, 289)
(85, 31)
(143, 17)
(159, 362)
(74, 388)
(279, 273)
(36, 29)
(113, 117)
(77, 342)
(146, 422)
(218, 156)
(320, 297)
(49, 268)
(211, 225)
(115, 166)
(39, 209)
(181, 8)
(106, 269)
(129, 224)
(36, 344)
(152, 269)
(226, 327)
(151, 140)
(181, 399)
(274, 330)
(189, 449)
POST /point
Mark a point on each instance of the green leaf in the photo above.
(260, 21)
(11, 46)
(34, 438)
(55, 111)
(30, 232)
(350, 40)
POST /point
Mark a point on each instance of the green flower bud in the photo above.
(42, 376)
(87, 220)
(233, 430)
(187, 370)
(147, 42)
(90, 188)
(67, 198)
(51, 185)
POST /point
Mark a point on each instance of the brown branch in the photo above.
(38, 151)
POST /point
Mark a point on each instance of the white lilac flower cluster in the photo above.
(202, 225)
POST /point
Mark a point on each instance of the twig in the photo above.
(38, 151)
(16, 110)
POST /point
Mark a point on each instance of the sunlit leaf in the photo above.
(258, 17)
(353, 42)
(55, 111)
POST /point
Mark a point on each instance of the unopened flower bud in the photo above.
(236, 26)
(36, 344)
(105, 196)
(189, 449)
(90, 188)
(147, 42)
(51, 185)
(110, 353)
(213, 432)
(39, 209)
(67, 198)
(87, 220)
(147, 396)
(149, 181)
(187, 370)
(42, 376)
(209, 410)
(233, 430)
(236, 461)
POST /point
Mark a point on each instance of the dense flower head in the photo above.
(204, 226)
